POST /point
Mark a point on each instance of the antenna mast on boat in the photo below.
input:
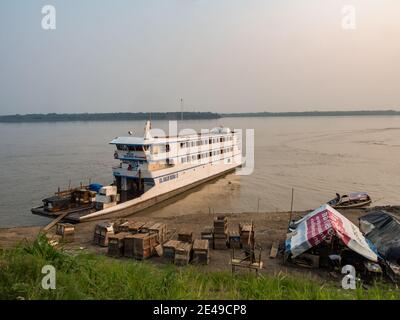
(181, 109)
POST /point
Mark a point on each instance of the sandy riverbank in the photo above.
(270, 227)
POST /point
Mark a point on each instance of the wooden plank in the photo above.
(274, 250)
(54, 222)
(200, 245)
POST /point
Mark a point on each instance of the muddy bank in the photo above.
(269, 227)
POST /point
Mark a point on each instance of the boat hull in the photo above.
(134, 208)
(354, 205)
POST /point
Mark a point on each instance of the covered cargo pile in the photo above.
(383, 230)
(325, 237)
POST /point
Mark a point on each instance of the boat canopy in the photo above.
(358, 196)
(317, 225)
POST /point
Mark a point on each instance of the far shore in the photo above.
(178, 115)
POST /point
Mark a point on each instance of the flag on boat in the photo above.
(312, 229)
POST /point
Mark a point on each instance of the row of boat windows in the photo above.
(205, 155)
(197, 143)
(123, 147)
(166, 148)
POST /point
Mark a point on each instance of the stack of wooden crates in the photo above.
(208, 234)
(220, 233)
(131, 239)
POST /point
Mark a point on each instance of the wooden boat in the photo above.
(76, 200)
(351, 200)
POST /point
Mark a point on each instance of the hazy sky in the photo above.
(219, 55)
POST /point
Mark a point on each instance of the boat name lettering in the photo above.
(168, 178)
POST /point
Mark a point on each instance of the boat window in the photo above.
(122, 147)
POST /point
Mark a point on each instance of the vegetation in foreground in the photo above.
(87, 276)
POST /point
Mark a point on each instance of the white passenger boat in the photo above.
(153, 169)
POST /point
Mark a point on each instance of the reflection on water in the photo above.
(316, 156)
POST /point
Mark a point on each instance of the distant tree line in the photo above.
(58, 117)
(55, 117)
(314, 113)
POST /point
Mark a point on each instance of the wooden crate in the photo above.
(208, 234)
(129, 246)
(146, 227)
(66, 231)
(201, 252)
(220, 233)
(160, 229)
(135, 226)
(116, 245)
(124, 226)
(183, 253)
(185, 236)
(247, 237)
(234, 240)
(144, 244)
(220, 244)
(169, 249)
(119, 223)
(102, 232)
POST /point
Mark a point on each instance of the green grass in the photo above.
(88, 276)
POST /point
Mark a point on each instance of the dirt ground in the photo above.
(269, 227)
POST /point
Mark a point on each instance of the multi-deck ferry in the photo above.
(153, 169)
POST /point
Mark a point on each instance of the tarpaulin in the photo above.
(383, 230)
(317, 225)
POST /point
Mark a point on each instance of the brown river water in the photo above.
(316, 156)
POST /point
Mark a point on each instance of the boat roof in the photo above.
(140, 141)
(130, 141)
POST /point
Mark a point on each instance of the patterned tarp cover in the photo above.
(317, 225)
